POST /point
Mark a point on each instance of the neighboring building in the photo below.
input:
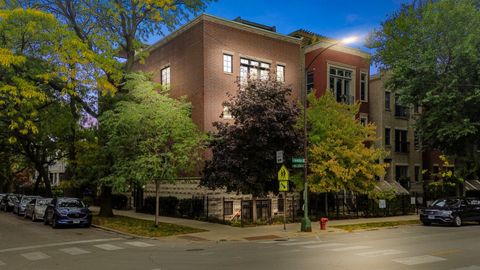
(395, 128)
(203, 60)
(56, 173)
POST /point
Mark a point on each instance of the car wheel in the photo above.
(45, 220)
(426, 223)
(457, 221)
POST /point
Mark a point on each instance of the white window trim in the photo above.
(284, 69)
(226, 113)
(363, 116)
(383, 101)
(169, 75)
(231, 63)
(366, 86)
(347, 67)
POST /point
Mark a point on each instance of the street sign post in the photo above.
(279, 157)
(283, 174)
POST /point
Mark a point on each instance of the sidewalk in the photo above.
(220, 232)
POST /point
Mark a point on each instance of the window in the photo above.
(228, 208)
(417, 173)
(387, 136)
(401, 144)
(227, 63)
(253, 69)
(226, 113)
(401, 176)
(400, 110)
(310, 81)
(387, 100)
(340, 82)
(363, 119)
(363, 87)
(165, 77)
(280, 73)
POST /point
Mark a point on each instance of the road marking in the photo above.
(349, 248)
(325, 245)
(419, 260)
(301, 243)
(59, 244)
(35, 256)
(471, 267)
(74, 251)
(108, 247)
(378, 253)
(139, 244)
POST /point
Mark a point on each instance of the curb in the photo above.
(120, 232)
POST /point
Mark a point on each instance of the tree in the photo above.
(45, 70)
(341, 152)
(151, 137)
(431, 51)
(244, 152)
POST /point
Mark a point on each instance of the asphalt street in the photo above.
(28, 245)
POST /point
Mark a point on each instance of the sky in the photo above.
(332, 18)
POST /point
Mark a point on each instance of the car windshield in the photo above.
(27, 199)
(71, 203)
(443, 203)
(13, 199)
(43, 202)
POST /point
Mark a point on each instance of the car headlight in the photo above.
(447, 212)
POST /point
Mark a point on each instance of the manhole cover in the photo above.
(195, 249)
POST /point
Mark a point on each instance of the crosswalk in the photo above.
(78, 251)
(396, 256)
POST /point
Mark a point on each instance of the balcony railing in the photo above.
(402, 147)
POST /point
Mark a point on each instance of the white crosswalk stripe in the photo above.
(378, 253)
(35, 256)
(419, 260)
(300, 243)
(108, 247)
(349, 248)
(326, 245)
(74, 251)
(139, 244)
(471, 267)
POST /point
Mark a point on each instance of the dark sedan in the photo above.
(67, 211)
(8, 202)
(454, 211)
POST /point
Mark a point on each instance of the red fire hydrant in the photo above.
(323, 223)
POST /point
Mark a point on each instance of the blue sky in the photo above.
(331, 18)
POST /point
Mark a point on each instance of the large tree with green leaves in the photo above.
(341, 153)
(264, 120)
(431, 50)
(151, 137)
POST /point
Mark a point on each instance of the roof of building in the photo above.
(241, 24)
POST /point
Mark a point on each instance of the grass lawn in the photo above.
(375, 225)
(142, 227)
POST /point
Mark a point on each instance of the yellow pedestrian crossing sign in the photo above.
(283, 174)
(283, 186)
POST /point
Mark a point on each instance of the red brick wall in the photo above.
(219, 38)
(319, 67)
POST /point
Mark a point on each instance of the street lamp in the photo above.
(306, 225)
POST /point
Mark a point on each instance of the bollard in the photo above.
(323, 223)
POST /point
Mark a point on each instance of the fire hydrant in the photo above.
(323, 223)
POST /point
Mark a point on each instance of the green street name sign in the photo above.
(298, 160)
(297, 165)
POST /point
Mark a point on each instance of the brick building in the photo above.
(203, 61)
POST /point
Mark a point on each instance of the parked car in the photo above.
(36, 208)
(67, 211)
(20, 205)
(452, 211)
(8, 202)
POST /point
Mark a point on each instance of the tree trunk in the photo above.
(106, 205)
(43, 174)
(157, 198)
(254, 209)
(37, 183)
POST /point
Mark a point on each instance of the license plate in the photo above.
(76, 222)
(431, 217)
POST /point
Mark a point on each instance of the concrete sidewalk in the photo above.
(220, 232)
